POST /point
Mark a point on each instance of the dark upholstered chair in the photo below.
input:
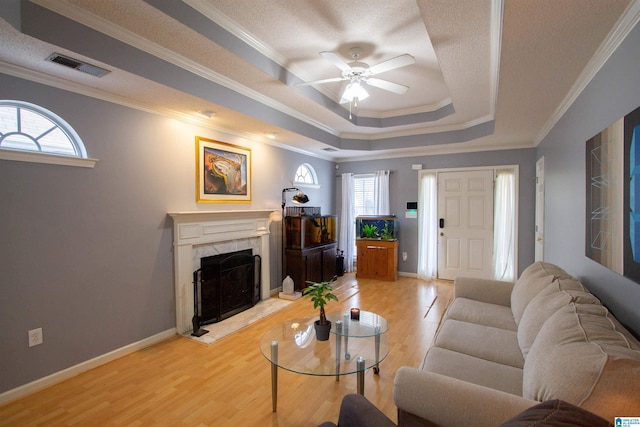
(356, 411)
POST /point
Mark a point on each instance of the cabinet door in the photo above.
(366, 265)
(314, 266)
(380, 257)
(328, 264)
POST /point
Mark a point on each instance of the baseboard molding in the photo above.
(72, 371)
(406, 274)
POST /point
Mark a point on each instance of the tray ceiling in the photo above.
(488, 74)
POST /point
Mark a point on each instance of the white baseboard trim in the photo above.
(72, 371)
(406, 274)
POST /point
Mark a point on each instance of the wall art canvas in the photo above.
(612, 236)
(223, 172)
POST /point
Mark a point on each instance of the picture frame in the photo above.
(223, 172)
(612, 181)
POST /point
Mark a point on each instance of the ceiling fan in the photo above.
(357, 73)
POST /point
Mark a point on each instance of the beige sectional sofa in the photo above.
(503, 347)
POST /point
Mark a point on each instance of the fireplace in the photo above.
(225, 285)
(201, 234)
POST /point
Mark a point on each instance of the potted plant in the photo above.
(320, 294)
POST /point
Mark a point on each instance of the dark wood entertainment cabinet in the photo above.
(315, 264)
(310, 248)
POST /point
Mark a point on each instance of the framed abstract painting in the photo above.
(613, 196)
(223, 172)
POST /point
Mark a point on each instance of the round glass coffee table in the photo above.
(292, 346)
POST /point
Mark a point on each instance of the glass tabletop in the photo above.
(369, 324)
(297, 350)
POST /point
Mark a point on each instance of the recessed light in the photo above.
(272, 135)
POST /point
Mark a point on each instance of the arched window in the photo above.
(306, 176)
(26, 127)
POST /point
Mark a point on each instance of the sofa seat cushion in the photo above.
(559, 293)
(581, 357)
(484, 342)
(533, 279)
(481, 313)
(474, 370)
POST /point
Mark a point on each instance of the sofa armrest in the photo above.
(485, 290)
(446, 401)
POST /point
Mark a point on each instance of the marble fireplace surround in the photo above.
(200, 234)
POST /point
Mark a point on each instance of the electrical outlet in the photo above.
(35, 337)
(404, 256)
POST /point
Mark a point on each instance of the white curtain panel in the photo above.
(347, 222)
(381, 192)
(427, 227)
(504, 226)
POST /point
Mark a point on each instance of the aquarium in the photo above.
(307, 231)
(377, 227)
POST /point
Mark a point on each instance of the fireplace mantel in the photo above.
(212, 227)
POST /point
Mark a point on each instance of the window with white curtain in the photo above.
(427, 226)
(364, 195)
(504, 229)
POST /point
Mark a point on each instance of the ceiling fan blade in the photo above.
(387, 85)
(317, 82)
(335, 60)
(392, 64)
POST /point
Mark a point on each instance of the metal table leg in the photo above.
(274, 375)
(376, 368)
(360, 367)
(338, 345)
(347, 356)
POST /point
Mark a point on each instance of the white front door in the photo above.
(539, 248)
(465, 224)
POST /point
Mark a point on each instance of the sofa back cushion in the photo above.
(559, 293)
(581, 357)
(533, 279)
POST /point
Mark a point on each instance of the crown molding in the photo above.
(429, 151)
(616, 36)
(497, 12)
(418, 131)
(99, 24)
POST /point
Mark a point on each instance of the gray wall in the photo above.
(403, 183)
(87, 254)
(614, 92)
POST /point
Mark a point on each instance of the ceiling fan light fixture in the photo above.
(353, 91)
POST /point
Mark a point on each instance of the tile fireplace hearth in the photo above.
(200, 234)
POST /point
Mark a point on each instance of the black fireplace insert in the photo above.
(225, 285)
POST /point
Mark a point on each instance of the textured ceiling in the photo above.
(489, 74)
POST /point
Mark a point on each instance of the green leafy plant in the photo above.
(320, 294)
(369, 230)
(386, 234)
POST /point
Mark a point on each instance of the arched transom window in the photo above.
(28, 127)
(306, 175)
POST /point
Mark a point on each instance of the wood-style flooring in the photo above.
(180, 382)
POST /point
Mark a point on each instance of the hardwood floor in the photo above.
(180, 382)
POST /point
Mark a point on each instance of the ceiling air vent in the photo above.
(78, 65)
(330, 149)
